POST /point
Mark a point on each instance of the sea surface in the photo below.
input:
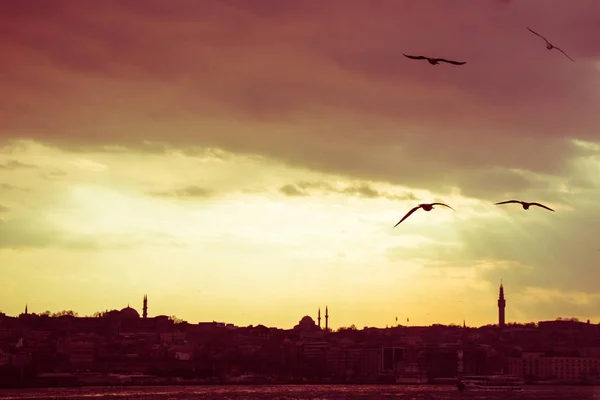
(297, 392)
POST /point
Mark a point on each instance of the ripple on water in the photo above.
(298, 392)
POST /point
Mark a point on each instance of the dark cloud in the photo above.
(142, 146)
(6, 186)
(201, 152)
(14, 146)
(186, 192)
(14, 164)
(53, 174)
(292, 191)
(363, 190)
(330, 91)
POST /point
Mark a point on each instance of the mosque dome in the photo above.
(306, 323)
(129, 312)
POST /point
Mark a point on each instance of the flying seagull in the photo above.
(434, 61)
(426, 207)
(525, 204)
(549, 45)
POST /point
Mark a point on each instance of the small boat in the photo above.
(491, 383)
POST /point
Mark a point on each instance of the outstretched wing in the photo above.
(415, 57)
(450, 61)
(541, 205)
(510, 201)
(407, 215)
(564, 53)
(535, 33)
(442, 204)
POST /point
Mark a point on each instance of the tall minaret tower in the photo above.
(145, 308)
(501, 307)
(326, 319)
(319, 318)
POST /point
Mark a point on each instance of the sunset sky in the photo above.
(245, 161)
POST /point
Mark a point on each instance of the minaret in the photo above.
(319, 318)
(26, 309)
(145, 308)
(501, 307)
(326, 319)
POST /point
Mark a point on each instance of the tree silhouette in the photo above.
(99, 314)
(176, 320)
(63, 313)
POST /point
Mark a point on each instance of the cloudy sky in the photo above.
(246, 161)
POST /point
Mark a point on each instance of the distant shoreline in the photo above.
(40, 385)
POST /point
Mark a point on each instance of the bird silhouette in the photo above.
(525, 204)
(549, 45)
(426, 207)
(434, 61)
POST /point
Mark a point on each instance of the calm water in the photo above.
(297, 392)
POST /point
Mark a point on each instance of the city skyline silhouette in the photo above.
(125, 348)
(133, 313)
